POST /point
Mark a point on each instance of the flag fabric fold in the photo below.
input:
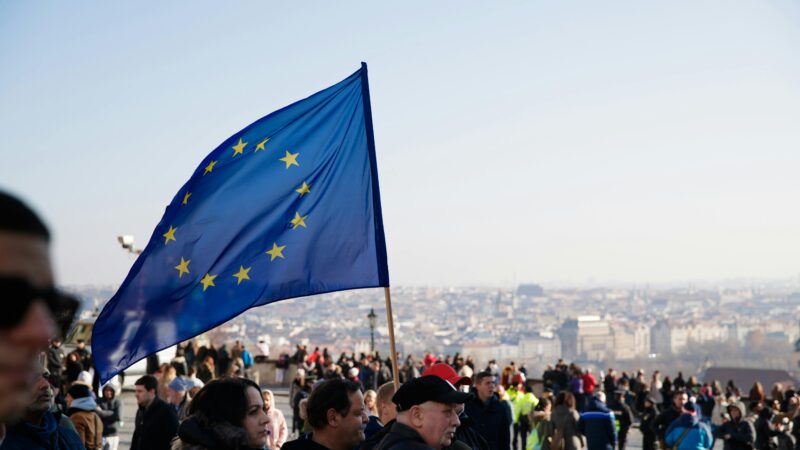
(285, 208)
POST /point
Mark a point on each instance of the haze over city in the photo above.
(561, 143)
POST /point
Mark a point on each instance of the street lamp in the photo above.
(373, 319)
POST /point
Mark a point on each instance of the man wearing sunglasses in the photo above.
(30, 306)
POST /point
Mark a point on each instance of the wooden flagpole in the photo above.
(389, 317)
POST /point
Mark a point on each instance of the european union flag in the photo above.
(287, 207)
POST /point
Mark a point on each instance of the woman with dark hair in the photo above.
(565, 418)
(227, 414)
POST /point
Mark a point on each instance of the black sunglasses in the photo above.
(19, 295)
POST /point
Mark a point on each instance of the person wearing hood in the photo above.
(598, 424)
(688, 432)
(81, 408)
(227, 414)
(110, 412)
(278, 431)
(41, 427)
(737, 432)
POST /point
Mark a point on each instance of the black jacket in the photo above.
(764, 430)
(55, 360)
(303, 443)
(648, 422)
(664, 420)
(468, 435)
(741, 432)
(155, 426)
(111, 415)
(375, 439)
(492, 420)
(402, 437)
(198, 432)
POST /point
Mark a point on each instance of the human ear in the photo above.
(417, 416)
(333, 418)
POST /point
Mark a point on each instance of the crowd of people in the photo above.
(204, 398)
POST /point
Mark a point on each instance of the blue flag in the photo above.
(285, 208)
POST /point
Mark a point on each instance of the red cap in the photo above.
(447, 373)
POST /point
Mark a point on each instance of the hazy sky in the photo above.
(528, 141)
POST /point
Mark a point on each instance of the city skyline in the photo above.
(556, 144)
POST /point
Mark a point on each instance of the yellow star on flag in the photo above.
(276, 251)
(299, 221)
(238, 149)
(242, 274)
(169, 235)
(304, 189)
(183, 267)
(207, 281)
(186, 197)
(261, 145)
(290, 159)
(210, 167)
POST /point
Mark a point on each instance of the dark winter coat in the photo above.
(402, 437)
(111, 414)
(155, 426)
(742, 434)
(492, 420)
(199, 433)
(50, 435)
(664, 420)
(597, 424)
(764, 430)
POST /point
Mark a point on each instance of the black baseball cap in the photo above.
(429, 388)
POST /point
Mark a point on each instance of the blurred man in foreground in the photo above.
(41, 427)
(30, 304)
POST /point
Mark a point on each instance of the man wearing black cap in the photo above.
(427, 415)
(30, 304)
(737, 432)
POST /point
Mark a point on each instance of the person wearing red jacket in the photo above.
(589, 382)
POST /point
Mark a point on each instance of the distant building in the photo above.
(586, 338)
(531, 290)
(630, 341)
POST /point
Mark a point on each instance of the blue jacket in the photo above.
(48, 436)
(598, 425)
(492, 420)
(698, 437)
(373, 426)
